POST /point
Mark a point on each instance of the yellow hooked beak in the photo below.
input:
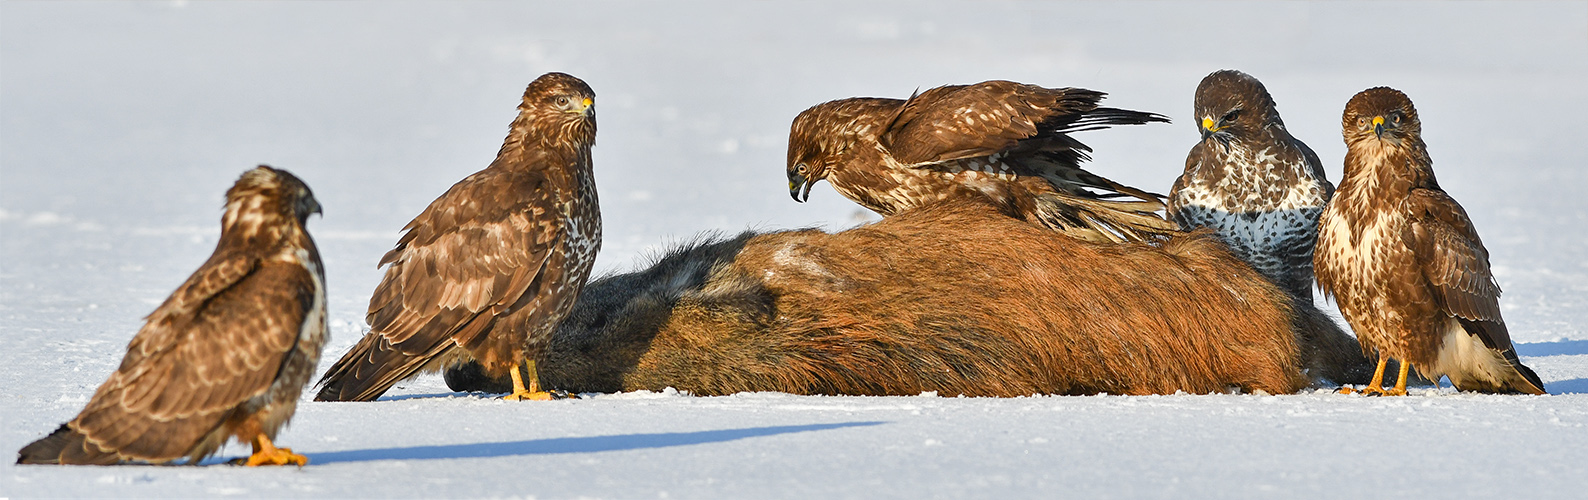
(1378, 126)
(583, 107)
(1209, 127)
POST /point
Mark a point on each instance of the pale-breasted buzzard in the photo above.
(1005, 141)
(226, 355)
(1404, 262)
(489, 268)
(1260, 189)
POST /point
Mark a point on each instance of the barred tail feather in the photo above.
(1103, 220)
(374, 365)
(65, 446)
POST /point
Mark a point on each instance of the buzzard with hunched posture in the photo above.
(1404, 262)
(488, 269)
(1260, 189)
(225, 356)
(1005, 141)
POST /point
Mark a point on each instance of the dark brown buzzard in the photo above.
(225, 356)
(488, 269)
(1260, 189)
(1404, 262)
(1005, 141)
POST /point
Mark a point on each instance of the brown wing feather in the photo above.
(967, 121)
(217, 342)
(471, 250)
(1452, 257)
(473, 254)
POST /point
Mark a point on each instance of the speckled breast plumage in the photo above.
(1264, 203)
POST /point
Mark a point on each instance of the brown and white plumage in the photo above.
(489, 268)
(227, 354)
(1404, 262)
(1259, 188)
(1007, 142)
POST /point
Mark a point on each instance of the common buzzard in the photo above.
(1404, 262)
(1005, 141)
(1260, 189)
(226, 355)
(488, 269)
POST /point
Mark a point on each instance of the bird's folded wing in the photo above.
(1452, 257)
(184, 371)
(478, 248)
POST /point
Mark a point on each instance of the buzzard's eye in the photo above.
(563, 101)
(1231, 116)
(800, 169)
(1395, 118)
(1361, 122)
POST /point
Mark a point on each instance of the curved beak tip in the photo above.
(799, 188)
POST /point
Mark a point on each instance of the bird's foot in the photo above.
(539, 396)
(1372, 391)
(277, 456)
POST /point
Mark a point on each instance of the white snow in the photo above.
(121, 125)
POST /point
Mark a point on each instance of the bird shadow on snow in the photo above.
(1562, 348)
(437, 395)
(1573, 386)
(554, 446)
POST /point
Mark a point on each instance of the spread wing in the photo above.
(966, 121)
(218, 341)
(477, 252)
(1452, 257)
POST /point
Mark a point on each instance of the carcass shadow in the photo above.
(554, 446)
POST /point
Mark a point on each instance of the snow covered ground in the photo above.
(121, 124)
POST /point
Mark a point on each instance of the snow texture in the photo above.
(121, 125)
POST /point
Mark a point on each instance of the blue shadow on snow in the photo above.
(439, 395)
(1571, 386)
(1565, 347)
(567, 445)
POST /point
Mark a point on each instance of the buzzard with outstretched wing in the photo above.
(1005, 141)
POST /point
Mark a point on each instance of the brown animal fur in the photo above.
(952, 298)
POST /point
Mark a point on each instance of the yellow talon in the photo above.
(266, 453)
(530, 391)
(1376, 386)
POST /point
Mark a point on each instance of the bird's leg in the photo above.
(1400, 384)
(532, 392)
(266, 453)
(1375, 386)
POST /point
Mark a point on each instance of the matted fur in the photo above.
(954, 298)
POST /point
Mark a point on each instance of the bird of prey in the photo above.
(1404, 262)
(1005, 141)
(488, 269)
(226, 355)
(1257, 187)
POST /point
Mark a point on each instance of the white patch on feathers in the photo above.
(1465, 359)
